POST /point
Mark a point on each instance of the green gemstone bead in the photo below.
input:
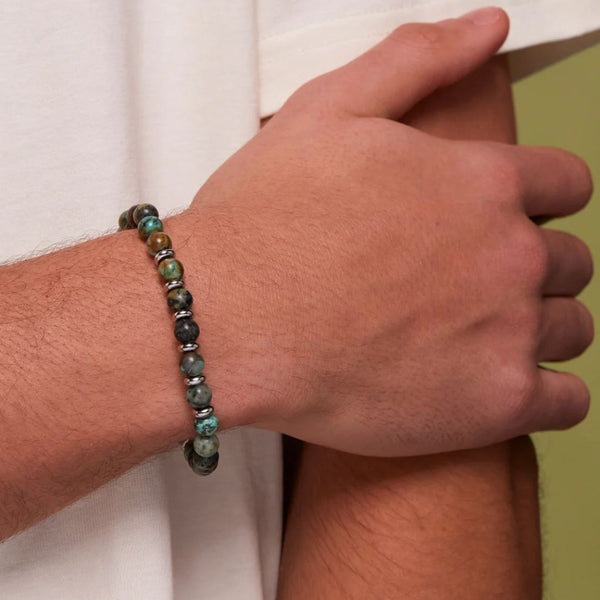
(130, 222)
(179, 298)
(203, 465)
(170, 268)
(149, 224)
(207, 427)
(157, 240)
(206, 446)
(191, 364)
(198, 396)
(123, 221)
(186, 330)
(144, 210)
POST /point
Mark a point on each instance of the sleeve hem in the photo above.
(289, 59)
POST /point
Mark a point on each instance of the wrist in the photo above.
(241, 368)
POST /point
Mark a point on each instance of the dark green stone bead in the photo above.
(186, 330)
(207, 427)
(149, 224)
(157, 240)
(130, 222)
(179, 299)
(191, 364)
(198, 396)
(170, 268)
(123, 221)
(144, 210)
(203, 465)
(206, 446)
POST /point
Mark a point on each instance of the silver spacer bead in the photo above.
(176, 283)
(183, 314)
(188, 347)
(204, 413)
(164, 253)
(189, 381)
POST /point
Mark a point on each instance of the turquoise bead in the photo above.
(149, 224)
(191, 364)
(207, 427)
(169, 268)
(206, 446)
(198, 396)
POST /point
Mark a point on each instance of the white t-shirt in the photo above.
(108, 103)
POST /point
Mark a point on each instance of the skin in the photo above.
(360, 228)
(463, 525)
(286, 359)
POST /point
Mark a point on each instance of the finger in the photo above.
(553, 182)
(570, 264)
(414, 60)
(564, 400)
(567, 329)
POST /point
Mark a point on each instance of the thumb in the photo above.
(414, 60)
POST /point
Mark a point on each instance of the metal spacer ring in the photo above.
(164, 253)
(172, 285)
(189, 381)
(183, 314)
(204, 413)
(188, 347)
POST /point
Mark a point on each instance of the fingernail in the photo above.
(483, 16)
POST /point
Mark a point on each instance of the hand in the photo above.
(383, 291)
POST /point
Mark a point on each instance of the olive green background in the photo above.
(560, 106)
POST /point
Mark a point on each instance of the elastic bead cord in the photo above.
(201, 452)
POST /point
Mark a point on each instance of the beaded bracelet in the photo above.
(201, 453)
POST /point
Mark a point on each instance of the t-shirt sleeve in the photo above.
(299, 40)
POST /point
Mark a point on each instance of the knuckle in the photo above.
(530, 255)
(421, 36)
(520, 387)
(308, 95)
(497, 173)
(507, 179)
(526, 322)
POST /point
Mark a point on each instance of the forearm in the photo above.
(460, 526)
(89, 374)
